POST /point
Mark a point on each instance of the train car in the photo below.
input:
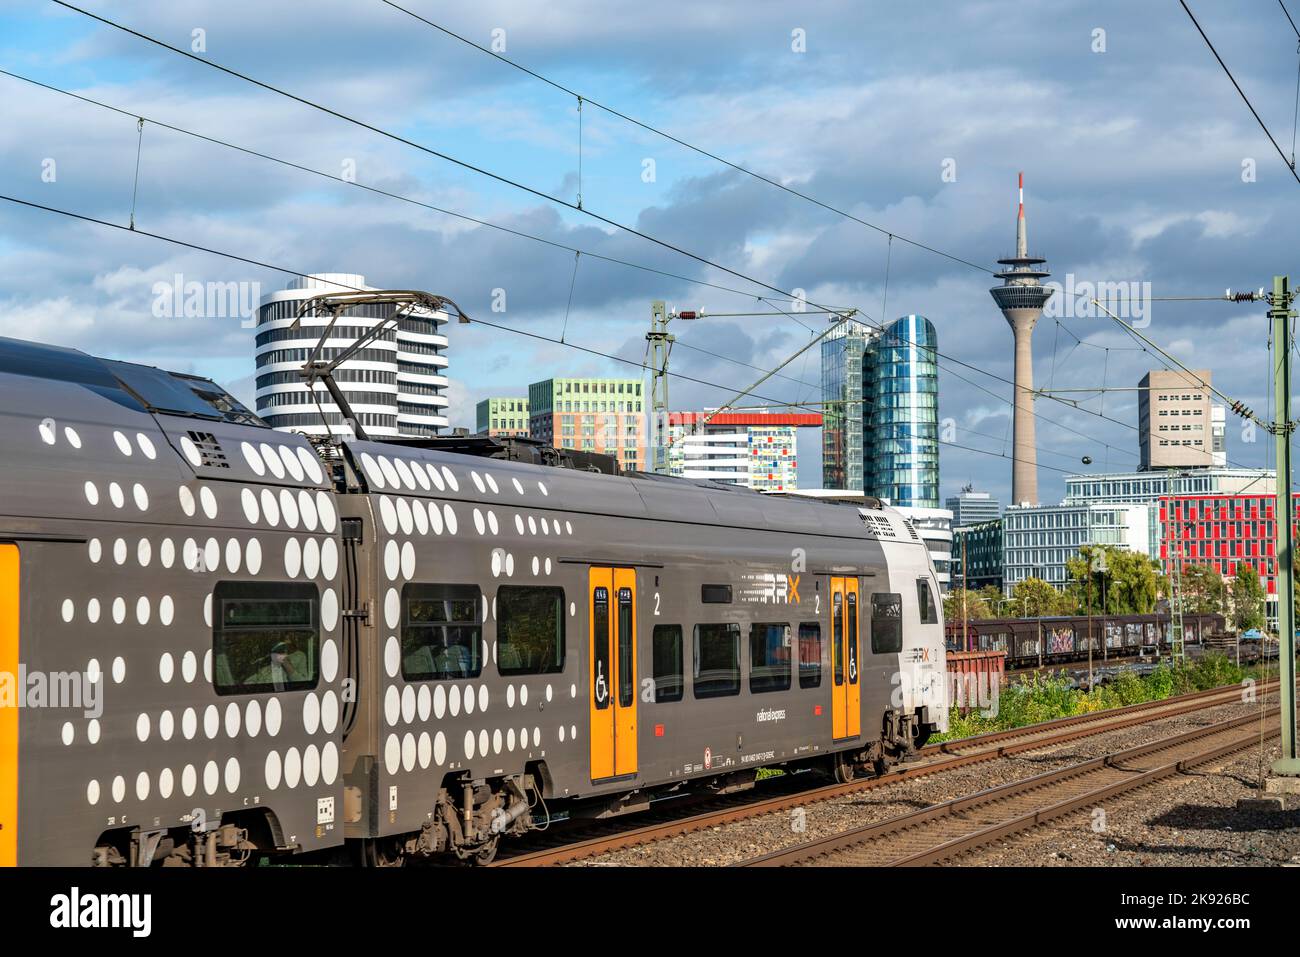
(1034, 642)
(276, 648)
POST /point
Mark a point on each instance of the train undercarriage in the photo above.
(472, 817)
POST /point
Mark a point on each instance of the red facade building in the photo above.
(1222, 531)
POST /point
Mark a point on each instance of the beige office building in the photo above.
(1176, 423)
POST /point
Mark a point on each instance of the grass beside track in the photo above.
(1042, 697)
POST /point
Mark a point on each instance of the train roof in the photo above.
(139, 387)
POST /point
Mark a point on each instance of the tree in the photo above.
(1203, 590)
(991, 594)
(975, 607)
(1112, 581)
(1131, 589)
(1035, 598)
(1247, 598)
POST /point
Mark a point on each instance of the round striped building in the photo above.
(397, 385)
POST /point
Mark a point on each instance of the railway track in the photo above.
(932, 759)
(943, 831)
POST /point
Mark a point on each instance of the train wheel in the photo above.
(380, 852)
(843, 769)
(488, 852)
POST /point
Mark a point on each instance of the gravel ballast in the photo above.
(1072, 840)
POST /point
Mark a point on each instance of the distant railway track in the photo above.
(943, 831)
(594, 838)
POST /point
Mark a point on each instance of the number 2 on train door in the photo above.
(846, 711)
(612, 678)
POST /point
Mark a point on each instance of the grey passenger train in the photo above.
(219, 641)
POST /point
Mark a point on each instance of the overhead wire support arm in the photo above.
(1238, 408)
(844, 317)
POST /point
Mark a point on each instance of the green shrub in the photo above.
(1046, 696)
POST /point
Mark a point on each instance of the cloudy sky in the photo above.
(1142, 165)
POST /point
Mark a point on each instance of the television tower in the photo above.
(1021, 299)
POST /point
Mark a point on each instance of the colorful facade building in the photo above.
(757, 450)
(592, 415)
(1223, 532)
(507, 416)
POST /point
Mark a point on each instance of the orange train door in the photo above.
(613, 681)
(846, 711)
(9, 712)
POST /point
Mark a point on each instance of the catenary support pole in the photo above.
(1280, 313)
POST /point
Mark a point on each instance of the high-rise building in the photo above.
(1177, 426)
(842, 357)
(880, 392)
(753, 449)
(592, 415)
(900, 410)
(506, 416)
(396, 385)
(1021, 298)
(970, 507)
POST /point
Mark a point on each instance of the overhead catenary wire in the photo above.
(737, 167)
(1288, 19)
(248, 260)
(770, 301)
(521, 234)
(262, 264)
(512, 231)
(1245, 99)
(541, 194)
(487, 173)
(406, 141)
(1239, 408)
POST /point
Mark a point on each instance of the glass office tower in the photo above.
(900, 395)
(842, 354)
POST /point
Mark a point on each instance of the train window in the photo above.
(442, 634)
(530, 630)
(769, 657)
(886, 623)
(837, 636)
(715, 594)
(600, 646)
(265, 637)
(717, 660)
(668, 662)
(852, 637)
(810, 654)
(925, 603)
(626, 666)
